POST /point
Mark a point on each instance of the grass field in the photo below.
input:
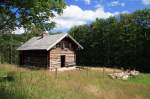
(94, 84)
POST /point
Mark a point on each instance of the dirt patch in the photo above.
(94, 90)
(63, 69)
(86, 68)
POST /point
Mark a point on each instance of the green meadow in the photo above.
(24, 83)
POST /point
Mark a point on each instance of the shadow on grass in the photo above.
(6, 89)
(33, 67)
(5, 94)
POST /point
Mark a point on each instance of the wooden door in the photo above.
(63, 61)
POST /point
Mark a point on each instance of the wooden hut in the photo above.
(58, 50)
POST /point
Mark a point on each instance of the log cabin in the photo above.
(49, 51)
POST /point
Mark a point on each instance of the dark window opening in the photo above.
(62, 45)
(66, 45)
(58, 45)
(70, 46)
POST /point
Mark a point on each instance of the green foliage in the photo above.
(28, 14)
(117, 41)
(8, 46)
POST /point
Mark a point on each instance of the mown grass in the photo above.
(42, 84)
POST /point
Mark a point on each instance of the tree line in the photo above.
(9, 43)
(119, 41)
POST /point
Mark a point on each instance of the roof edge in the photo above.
(56, 42)
(65, 35)
(75, 41)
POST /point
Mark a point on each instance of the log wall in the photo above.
(34, 58)
(55, 57)
(68, 51)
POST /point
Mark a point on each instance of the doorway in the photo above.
(62, 60)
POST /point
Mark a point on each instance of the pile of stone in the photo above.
(124, 75)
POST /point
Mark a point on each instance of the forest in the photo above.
(118, 41)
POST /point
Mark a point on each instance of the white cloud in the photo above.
(19, 31)
(87, 1)
(74, 15)
(117, 3)
(146, 2)
(98, 6)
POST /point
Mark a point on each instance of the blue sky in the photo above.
(79, 12)
(111, 5)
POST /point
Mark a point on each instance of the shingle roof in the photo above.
(45, 43)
